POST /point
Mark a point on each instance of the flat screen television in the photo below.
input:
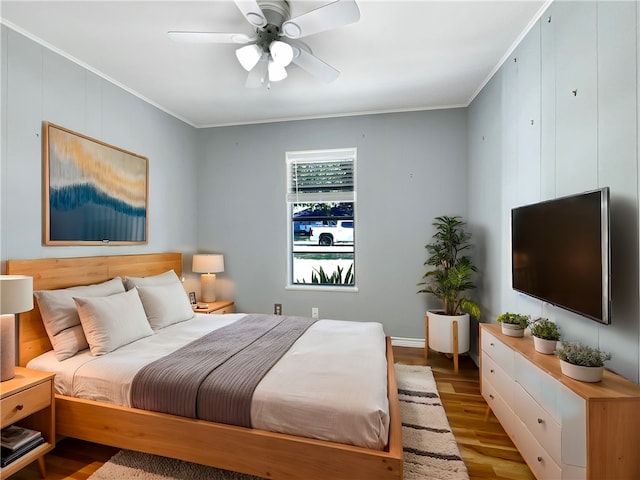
(561, 253)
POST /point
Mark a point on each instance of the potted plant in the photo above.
(581, 361)
(513, 324)
(448, 279)
(545, 335)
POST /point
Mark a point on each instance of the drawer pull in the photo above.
(491, 396)
(540, 420)
(539, 459)
(492, 370)
(19, 407)
(492, 344)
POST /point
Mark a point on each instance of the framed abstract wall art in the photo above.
(94, 193)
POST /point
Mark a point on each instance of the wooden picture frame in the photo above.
(94, 193)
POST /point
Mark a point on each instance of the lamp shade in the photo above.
(276, 72)
(281, 53)
(16, 293)
(248, 56)
(208, 263)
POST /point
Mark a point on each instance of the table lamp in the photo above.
(208, 266)
(16, 295)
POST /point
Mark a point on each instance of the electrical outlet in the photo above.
(314, 312)
(277, 309)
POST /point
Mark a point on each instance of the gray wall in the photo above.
(223, 189)
(411, 167)
(525, 138)
(39, 85)
(531, 138)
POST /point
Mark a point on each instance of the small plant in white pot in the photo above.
(545, 335)
(581, 361)
(513, 324)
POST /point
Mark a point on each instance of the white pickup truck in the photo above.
(338, 232)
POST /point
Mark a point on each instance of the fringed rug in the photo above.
(430, 449)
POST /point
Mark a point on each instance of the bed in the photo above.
(248, 450)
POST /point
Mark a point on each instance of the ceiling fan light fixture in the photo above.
(256, 19)
(291, 30)
(281, 52)
(276, 72)
(248, 56)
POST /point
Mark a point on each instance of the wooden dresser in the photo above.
(563, 428)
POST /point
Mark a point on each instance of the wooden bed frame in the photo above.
(255, 452)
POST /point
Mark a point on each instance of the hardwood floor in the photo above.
(485, 447)
(71, 459)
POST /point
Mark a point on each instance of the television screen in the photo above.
(560, 252)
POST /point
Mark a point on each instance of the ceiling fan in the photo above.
(275, 44)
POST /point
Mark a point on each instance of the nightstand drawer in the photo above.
(220, 307)
(228, 309)
(22, 404)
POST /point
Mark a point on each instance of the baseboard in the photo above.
(407, 342)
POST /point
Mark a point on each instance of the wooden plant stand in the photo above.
(454, 334)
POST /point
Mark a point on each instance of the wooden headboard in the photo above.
(54, 273)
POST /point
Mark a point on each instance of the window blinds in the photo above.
(321, 180)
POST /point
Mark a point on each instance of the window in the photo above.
(321, 201)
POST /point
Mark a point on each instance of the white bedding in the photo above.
(331, 384)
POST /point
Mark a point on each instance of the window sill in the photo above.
(323, 288)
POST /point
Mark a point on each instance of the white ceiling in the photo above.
(400, 56)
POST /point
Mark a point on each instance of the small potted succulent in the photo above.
(582, 362)
(513, 324)
(545, 335)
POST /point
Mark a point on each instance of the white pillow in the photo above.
(165, 304)
(113, 321)
(60, 317)
(161, 279)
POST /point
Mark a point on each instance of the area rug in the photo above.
(430, 449)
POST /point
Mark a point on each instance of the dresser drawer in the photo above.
(498, 378)
(539, 460)
(501, 353)
(538, 384)
(499, 407)
(539, 422)
(22, 404)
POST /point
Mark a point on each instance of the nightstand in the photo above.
(219, 307)
(28, 400)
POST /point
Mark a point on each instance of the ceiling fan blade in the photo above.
(314, 65)
(258, 74)
(252, 12)
(333, 15)
(210, 37)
